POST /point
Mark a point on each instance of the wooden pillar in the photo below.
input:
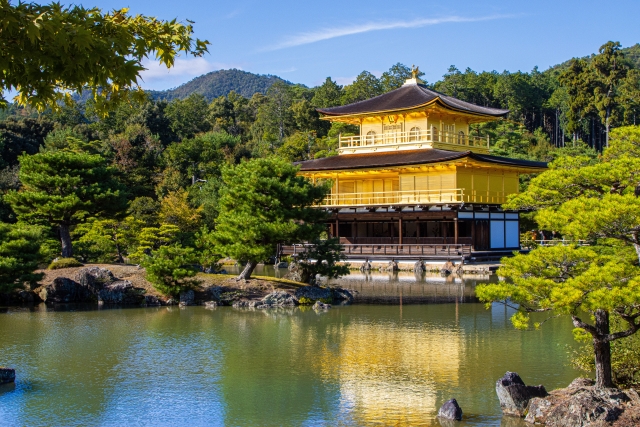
(400, 230)
(455, 228)
(337, 223)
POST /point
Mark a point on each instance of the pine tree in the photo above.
(63, 189)
(263, 203)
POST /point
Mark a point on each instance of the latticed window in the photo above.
(370, 138)
(434, 133)
(414, 134)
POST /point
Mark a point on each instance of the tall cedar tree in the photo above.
(63, 188)
(596, 201)
(265, 203)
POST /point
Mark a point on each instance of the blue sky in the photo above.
(305, 42)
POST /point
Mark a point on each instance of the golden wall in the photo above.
(477, 185)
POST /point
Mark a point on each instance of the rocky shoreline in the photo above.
(98, 285)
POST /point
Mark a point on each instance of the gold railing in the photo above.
(412, 197)
(411, 138)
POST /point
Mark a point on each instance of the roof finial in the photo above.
(414, 72)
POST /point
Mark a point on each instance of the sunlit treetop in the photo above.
(47, 52)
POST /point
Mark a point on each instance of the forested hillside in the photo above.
(220, 83)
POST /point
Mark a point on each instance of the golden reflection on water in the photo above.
(385, 372)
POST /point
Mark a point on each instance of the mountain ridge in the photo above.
(220, 83)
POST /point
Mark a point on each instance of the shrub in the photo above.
(169, 269)
(59, 263)
(305, 301)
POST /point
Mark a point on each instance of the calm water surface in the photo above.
(351, 366)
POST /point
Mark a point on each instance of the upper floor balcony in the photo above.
(413, 140)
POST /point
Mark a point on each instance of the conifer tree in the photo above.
(19, 256)
(263, 203)
(64, 188)
(594, 201)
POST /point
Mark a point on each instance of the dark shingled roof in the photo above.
(406, 97)
(405, 157)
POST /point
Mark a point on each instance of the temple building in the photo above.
(416, 181)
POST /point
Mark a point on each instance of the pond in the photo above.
(351, 365)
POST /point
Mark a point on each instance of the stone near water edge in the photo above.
(450, 410)
(279, 299)
(391, 267)
(151, 300)
(343, 295)
(514, 395)
(366, 266)
(187, 298)
(7, 375)
(321, 306)
(313, 293)
(282, 264)
(582, 404)
(210, 304)
(419, 267)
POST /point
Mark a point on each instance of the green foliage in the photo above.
(320, 259)
(603, 88)
(107, 240)
(188, 117)
(19, 256)
(585, 199)
(108, 50)
(365, 86)
(263, 203)
(24, 135)
(306, 301)
(60, 263)
(169, 269)
(151, 239)
(64, 188)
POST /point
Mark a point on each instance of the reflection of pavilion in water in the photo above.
(408, 287)
(385, 372)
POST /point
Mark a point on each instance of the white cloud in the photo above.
(343, 80)
(330, 33)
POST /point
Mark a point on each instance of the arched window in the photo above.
(461, 139)
(434, 134)
(414, 134)
(370, 139)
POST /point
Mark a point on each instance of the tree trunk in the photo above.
(65, 240)
(248, 269)
(607, 126)
(602, 350)
(637, 246)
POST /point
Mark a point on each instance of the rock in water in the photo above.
(187, 298)
(321, 306)
(419, 267)
(7, 375)
(583, 405)
(450, 410)
(514, 395)
(210, 304)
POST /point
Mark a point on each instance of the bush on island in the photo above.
(170, 269)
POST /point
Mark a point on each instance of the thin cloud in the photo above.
(331, 33)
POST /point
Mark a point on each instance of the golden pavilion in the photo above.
(415, 183)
